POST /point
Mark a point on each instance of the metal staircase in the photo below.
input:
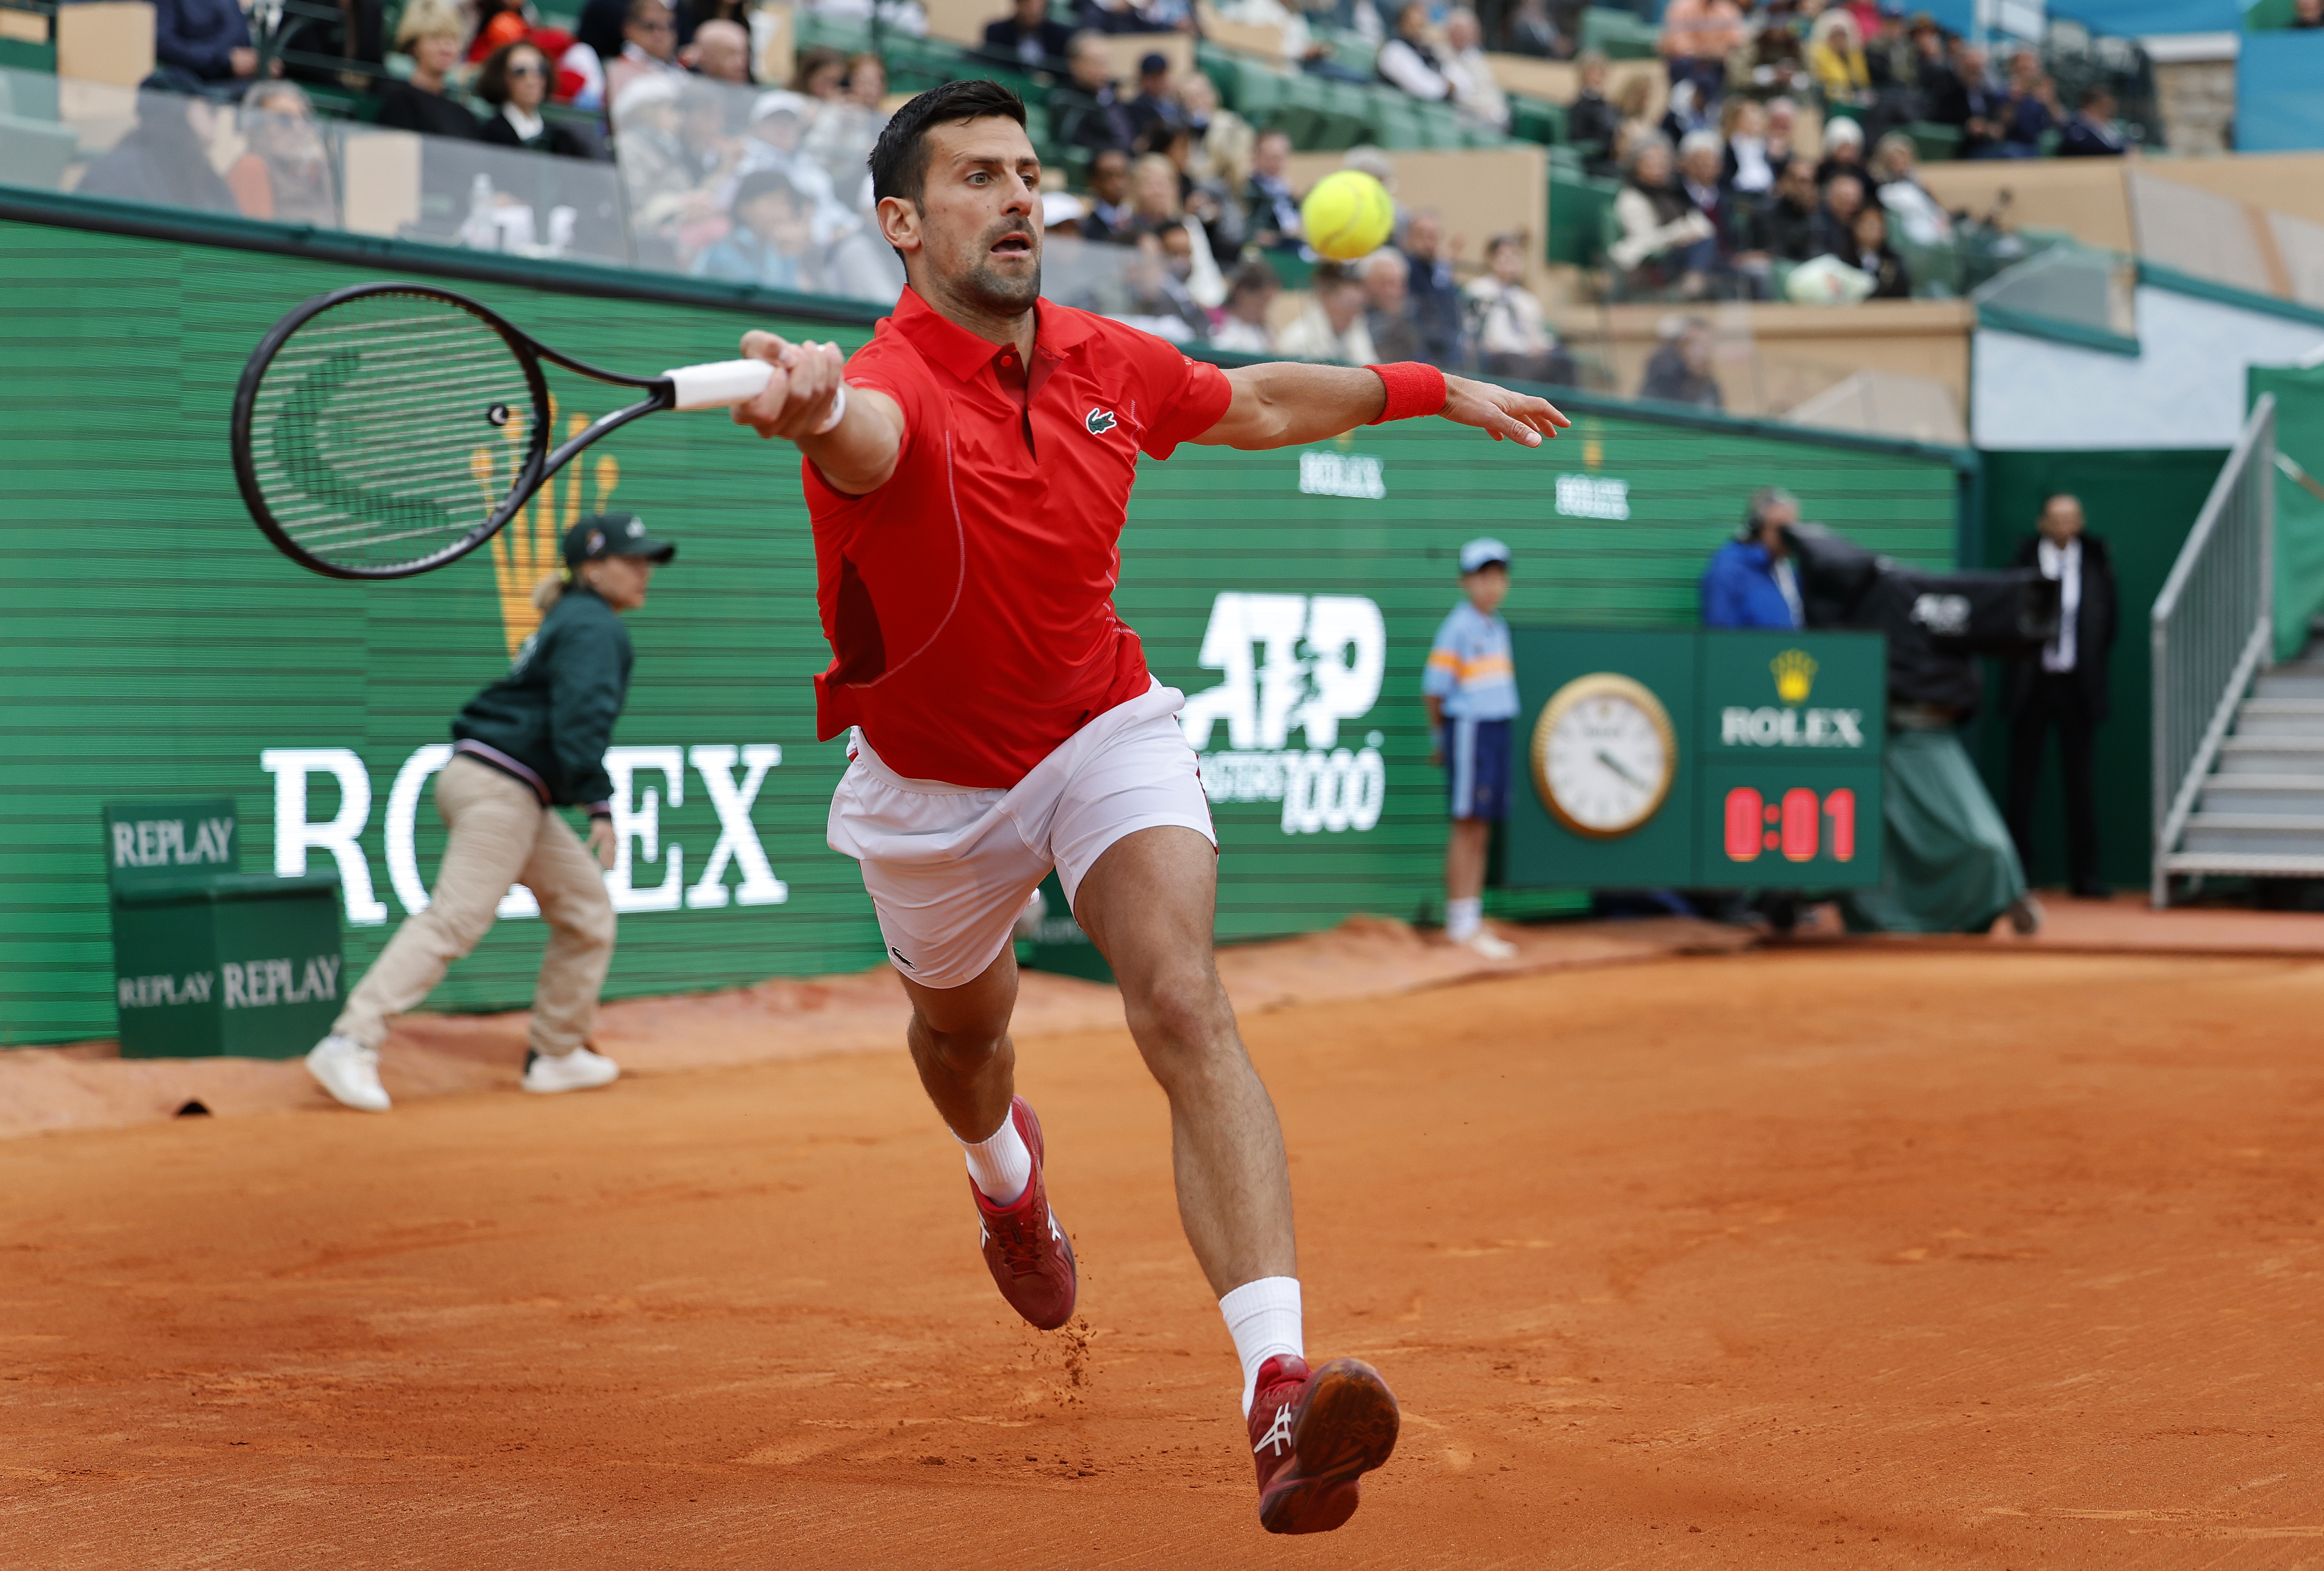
(2261, 810)
(2238, 743)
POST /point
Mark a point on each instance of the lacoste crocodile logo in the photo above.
(1098, 421)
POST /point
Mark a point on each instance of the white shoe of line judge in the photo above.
(350, 1072)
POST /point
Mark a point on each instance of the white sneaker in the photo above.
(578, 1070)
(350, 1072)
(1491, 947)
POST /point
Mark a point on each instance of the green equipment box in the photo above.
(1697, 760)
(209, 960)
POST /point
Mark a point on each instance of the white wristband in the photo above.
(838, 413)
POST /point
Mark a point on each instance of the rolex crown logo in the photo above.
(1794, 672)
(528, 546)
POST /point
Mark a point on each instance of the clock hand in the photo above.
(1608, 759)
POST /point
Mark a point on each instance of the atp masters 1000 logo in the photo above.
(1292, 661)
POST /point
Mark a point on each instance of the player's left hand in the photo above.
(604, 844)
(1502, 414)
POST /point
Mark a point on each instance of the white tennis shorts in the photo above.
(949, 868)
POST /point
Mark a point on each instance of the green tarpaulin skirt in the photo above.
(1947, 864)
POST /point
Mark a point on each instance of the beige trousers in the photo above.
(501, 835)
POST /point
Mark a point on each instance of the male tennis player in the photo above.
(968, 480)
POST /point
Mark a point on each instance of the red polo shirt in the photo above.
(969, 601)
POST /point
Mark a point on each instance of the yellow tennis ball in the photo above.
(1348, 215)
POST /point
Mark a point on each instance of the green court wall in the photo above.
(153, 644)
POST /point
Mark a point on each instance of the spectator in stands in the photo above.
(286, 175)
(1208, 202)
(1062, 213)
(1148, 292)
(1843, 199)
(2027, 111)
(1245, 329)
(1746, 171)
(1783, 130)
(1697, 37)
(1965, 100)
(1634, 103)
(1333, 327)
(1111, 217)
(1154, 209)
(1750, 581)
(1934, 80)
(2064, 687)
(659, 177)
(1679, 370)
(1154, 111)
(1388, 305)
(772, 241)
(2092, 132)
(1409, 61)
(1872, 254)
(1668, 245)
(1775, 61)
(1088, 111)
(1794, 229)
(1270, 212)
(1919, 218)
(648, 47)
(1843, 152)
(1895, 69)
(1701, 168)
(1475, 93)
(820, 73)
(1534, 31)
(1220, 157)
(1028, 40)
(867, 83)
(1504, 319)
(1438, 308)
(431, 33)
(721, 52)
(516, 81)
(1836, 60)
(2308, 13)
(499, 22)
(693, 15)
(1591, 121)
(165, 158)
(208, 39)
(1137, 16)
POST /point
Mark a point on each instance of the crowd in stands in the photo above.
(1716, 202)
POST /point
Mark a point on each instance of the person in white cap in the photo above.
(1471, 690)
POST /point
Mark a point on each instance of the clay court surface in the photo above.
(1854, 1257)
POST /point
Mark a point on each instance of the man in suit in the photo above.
(2064, 687)
(1026, 39)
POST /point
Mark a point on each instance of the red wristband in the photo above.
(1413, 389)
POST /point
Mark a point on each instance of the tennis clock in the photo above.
(1604, 754)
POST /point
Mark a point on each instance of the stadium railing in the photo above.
(2213, 630)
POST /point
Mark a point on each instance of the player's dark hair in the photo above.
(899, 159)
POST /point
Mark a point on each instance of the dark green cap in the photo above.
(614, 535)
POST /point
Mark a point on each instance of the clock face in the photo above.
(1604, 756)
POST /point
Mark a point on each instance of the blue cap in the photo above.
(1483, 553)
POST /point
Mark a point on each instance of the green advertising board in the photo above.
(1700, 760)
(152, 644)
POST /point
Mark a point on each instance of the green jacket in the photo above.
(549, 720)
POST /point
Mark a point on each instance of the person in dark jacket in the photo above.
(1750, 582)
(209, 39)
(433, 35)
(1028, 40)
(2064, 687)
(530, 743)
(164, 158)
(2092, 132)
(516, 81)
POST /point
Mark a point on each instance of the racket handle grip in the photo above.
(720, 384)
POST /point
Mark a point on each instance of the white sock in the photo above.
(1000, 1164)
(1263, 1319)
(1463, 918)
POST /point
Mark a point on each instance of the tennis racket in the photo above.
(390, 428)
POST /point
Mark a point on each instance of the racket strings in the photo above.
(389, 428)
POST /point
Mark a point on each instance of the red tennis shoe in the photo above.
(1030, 1257)
(1314, 1436)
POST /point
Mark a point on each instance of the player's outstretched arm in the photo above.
(853, 435)
(1285, 403)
